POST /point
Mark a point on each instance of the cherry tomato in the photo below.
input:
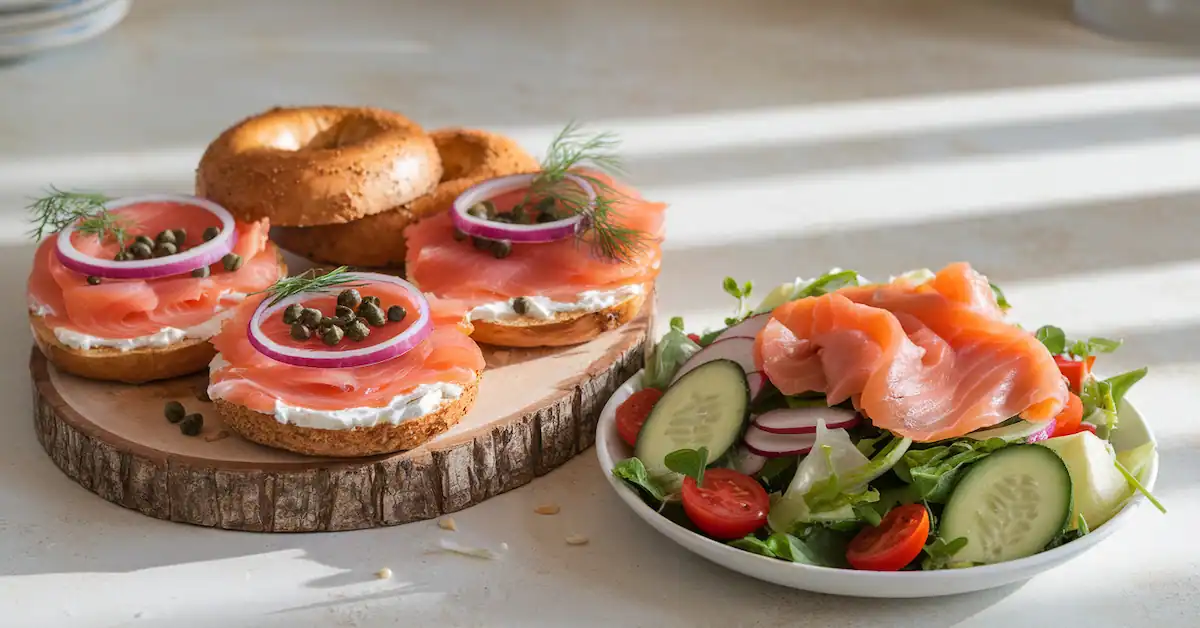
(894, 543)
(694, 338)
(728, 506)
(1075, 370)
(1069, 420)
(633, 412)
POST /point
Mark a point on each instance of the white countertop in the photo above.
(790, 136)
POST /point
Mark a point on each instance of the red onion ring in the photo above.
(200, 256)
(545, 232)
(392, 348)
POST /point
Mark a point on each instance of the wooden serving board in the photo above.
(536, 409)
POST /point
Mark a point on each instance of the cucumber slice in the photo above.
(707, 407)
(1009, 505)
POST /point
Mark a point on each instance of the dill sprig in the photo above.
(60, 209)
(572, 149)
(310, 281)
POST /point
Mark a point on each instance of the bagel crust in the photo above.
(563, 330)
(352, 443)
(308, 166)
(468, 157)
(131, 367)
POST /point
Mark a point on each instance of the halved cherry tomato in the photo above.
(728, 506)
(1075, 370)
(694, 338)
(1068, 421)
(892, 544)
(633, 412)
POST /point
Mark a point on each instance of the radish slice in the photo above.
(748, 328)
(740, 350)
(296, 356)
(804, 420)
(198, 256)
(756, 380)
(777, 445)
(492, 230)
(749, 462)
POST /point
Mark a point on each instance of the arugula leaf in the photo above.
(1066, 536)
(665, 359)
(1083, 349)
(1138, 486)
(935, 471)
(801, 401)
(940, 553)
(777, 473)
(1106, 395)
(1053, 337)
(688, 462)
(633, 472)
(867, 445)
(868, 514)
(1120, 384)
(1083, 526)
(827, 545)
(754, 545)
(829, 282)
(1001, 300)
(779, 545)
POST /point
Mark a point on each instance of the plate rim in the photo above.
(1001, 573)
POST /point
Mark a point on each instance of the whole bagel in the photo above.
(468, 157)
(318, 165)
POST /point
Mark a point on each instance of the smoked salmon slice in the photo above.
(560, 270)
(928, 362)
(128, 308)
(242, 375)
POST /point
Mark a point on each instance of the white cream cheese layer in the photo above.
(418, 402)
(160, 339)
(543, 308)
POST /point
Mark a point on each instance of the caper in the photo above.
(349, 298)
(358, 330)
(547, 217)
(141, 250)
(203, 271)
(482, 244)
(344, 313)
(459, 235)
(142, 239)
(520, 305)
(174, 411)
(332, 335)
(211, 233)
(292, 313)
(501, 249)
(122, 256)
(310, 317)
(163, 249)
(191, 424)
(232, 262)
(504, 218)
(165, 236)
(396, 313)
(301, 332)
(93, 280)
(373, 314)
(180, 236)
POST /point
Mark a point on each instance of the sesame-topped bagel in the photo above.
(468, 157)
(308, 166)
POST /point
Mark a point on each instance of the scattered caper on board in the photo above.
(174, 411)
(191, 424)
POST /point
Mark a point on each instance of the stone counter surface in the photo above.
(788, 135)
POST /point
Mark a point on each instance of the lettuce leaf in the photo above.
(668, 356)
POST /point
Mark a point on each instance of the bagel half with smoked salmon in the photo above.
(468, 156)
(304, 166)
(108, 307)
(344, 364)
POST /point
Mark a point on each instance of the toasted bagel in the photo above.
(264, 429)
(308, 166)
(564, 329)
(468, 156)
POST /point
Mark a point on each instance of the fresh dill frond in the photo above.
(59, 209)
(569, 151)
(310, 281)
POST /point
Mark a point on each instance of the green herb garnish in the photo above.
(309, 281)
(60, 209)
(688, 462)
(569, 150)
(742, 294)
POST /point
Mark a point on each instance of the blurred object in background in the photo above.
(31, 26)
(1166, 21)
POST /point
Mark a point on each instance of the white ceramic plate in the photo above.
(58, 14)
(611, 449)
(14, 45)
